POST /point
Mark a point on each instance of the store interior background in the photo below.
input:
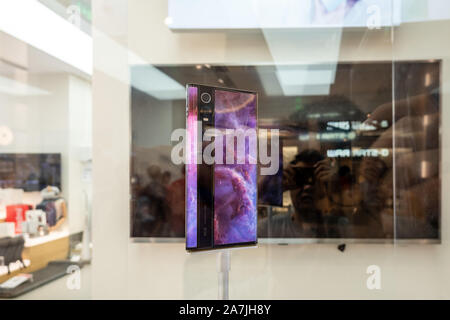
(137, 34)
(46, 105)
(56, 121)
(85, 116)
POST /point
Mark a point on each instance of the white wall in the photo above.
(79, 150)
(122, 269)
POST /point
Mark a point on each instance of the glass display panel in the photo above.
(338, 145)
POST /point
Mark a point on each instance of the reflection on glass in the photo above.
(359, 147)
(30, 171)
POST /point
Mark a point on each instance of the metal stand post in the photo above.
(223, 269)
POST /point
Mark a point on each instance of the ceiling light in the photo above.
(16, 88)
(33, 23)
(156, 83)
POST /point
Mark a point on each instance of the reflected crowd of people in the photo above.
(158, 205)
(367, 196)
(359, 164)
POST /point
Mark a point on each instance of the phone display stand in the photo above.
(223, 270)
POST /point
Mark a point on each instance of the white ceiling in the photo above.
(18, 56)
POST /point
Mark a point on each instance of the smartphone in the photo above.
(221, 196)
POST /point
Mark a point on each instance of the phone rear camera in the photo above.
(205, 97)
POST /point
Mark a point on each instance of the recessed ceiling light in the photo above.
(427, 79)
(6, 136)
(156, 83)
(17, 88)
(168, 21)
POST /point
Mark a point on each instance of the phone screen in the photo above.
(235, 184)
(191, 168)
(221, 206)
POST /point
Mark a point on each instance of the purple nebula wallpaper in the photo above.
(191, 176)
(235, 185)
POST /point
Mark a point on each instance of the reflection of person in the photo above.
(417, 184)
(165, 178)
(176, 203)
(328, 201)
(136, 186)
(348, 200)
(151, 208)
(308, 197)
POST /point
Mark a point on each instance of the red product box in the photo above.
(16, 213)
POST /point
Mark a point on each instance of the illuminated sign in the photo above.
(357, 152)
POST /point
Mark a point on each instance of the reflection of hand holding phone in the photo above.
(326, 170)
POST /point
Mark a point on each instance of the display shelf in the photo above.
(41, 250)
